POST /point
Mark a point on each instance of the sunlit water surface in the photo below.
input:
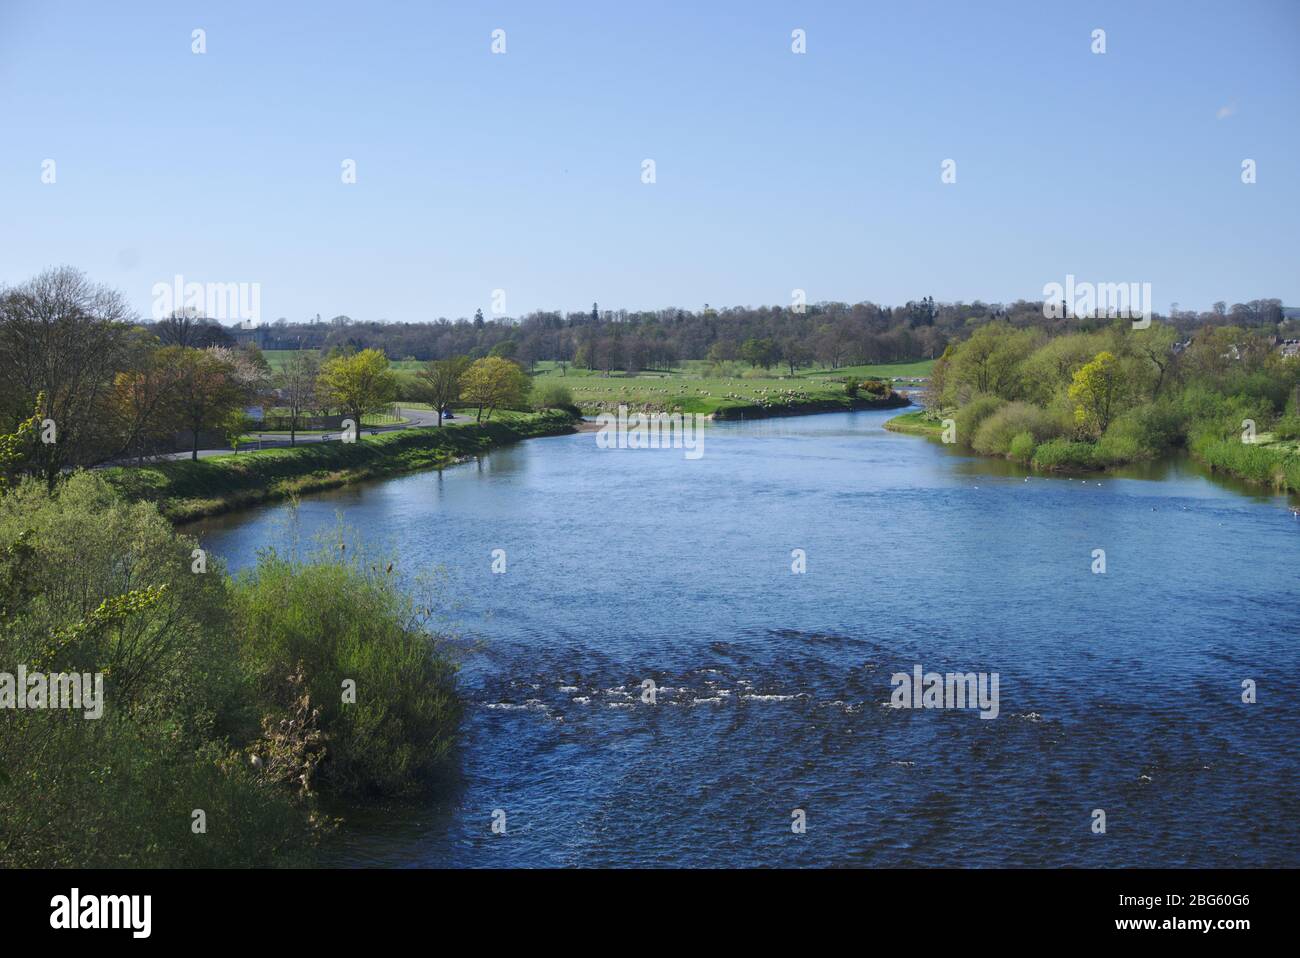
(1119, 691)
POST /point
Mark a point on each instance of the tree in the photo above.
(144, 402)
(297, 382)
(491, 382)
(1155, 346)
(64, 338)
(1096, 392)
(440, 382)
(206, 390)
(235, 426)
(16, 446)
(795, 354)
(760, 352)
(357, 384)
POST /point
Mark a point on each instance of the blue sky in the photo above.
(775, 171)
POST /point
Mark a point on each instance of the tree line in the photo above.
(74, 361)
(831, 334)
(1117, 394)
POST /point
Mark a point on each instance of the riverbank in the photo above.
(1258, 464)
(186, 489)
(915, 424)
(808, 407)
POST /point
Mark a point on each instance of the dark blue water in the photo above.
(1119, 691)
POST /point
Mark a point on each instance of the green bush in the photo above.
(1260, 464)
(969, 416)
(994, 435)
(89, 583)
(1022, 447)
(1288, 427)
(200, 674)
(551, 394)
(337, 619)
(1065, 454)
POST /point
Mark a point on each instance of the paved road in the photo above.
(418, 418)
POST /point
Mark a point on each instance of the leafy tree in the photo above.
(760, 352)
(1096, 392)
(206, 390)
(16, 446)
(989, 362)
(440, 382)
(64, 338)
(492, 382)
(357, 384)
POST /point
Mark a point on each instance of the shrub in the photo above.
(1288, 427)
(969, 416)
(995, 433)
(1022, 447)
(551, 394)
(91, 584)
(336, 619)
(1114, 449)
(1064, 454)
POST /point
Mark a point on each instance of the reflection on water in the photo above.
(1118, 691)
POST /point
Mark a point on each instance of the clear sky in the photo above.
(774, 170)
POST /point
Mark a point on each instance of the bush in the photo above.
(120, 789)
(1064, 454)
(199, 674)
(333, 620)
(1260, 464)
(1022, 447)
(551, 394)
(1115, 449)
(1288, 427)
(969, 416)
(995, 433)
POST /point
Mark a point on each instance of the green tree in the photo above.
(439, 383)
(492, 382)
(358, 384)
(760, 352)
(1096, 392)
(206, 391)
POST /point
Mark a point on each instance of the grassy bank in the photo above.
(805, 406)
(188, 489)
(1267, 462)
(915, 424)
(728, 392)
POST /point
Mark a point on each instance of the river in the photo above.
(1119, 691)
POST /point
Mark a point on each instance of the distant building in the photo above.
(249, 334)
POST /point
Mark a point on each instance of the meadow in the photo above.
(697, 386)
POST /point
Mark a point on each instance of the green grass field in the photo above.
(695, 385)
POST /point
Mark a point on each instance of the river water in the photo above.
(1119, 691)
